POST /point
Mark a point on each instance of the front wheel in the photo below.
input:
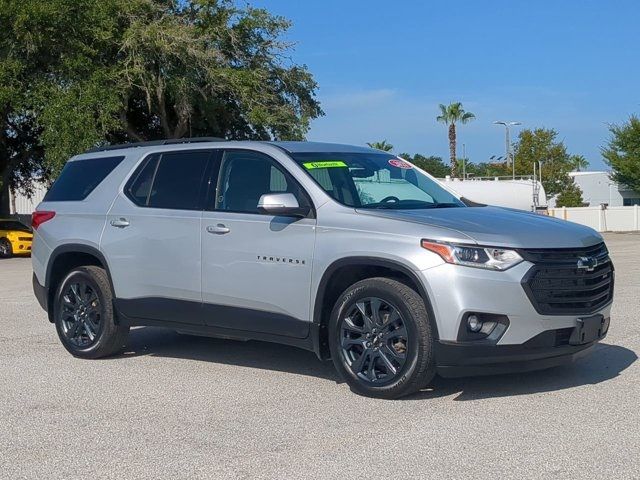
(84, 316)
(381, 340)
(6, 250)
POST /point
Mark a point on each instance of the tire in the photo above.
(6, 249)
(397, 358)
(84, 316)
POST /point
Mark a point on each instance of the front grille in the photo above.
(24, 239)
(556, 286)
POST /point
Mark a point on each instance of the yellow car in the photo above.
(15, 238)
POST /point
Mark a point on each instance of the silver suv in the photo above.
(349, 252)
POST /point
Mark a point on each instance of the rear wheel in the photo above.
(380, 339)
(84, 316)
(6, 250)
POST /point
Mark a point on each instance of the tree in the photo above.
(20, 152)
(79, 74)
(579, 163)
(541, 144)
(622, 153)
(431, 164)
(570, 196)
(451, 115)
(383, 145)
(486, 169)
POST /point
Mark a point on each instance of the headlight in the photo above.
(492, 258)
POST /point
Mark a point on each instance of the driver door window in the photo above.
(246, 176)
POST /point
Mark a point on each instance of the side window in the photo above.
(246, 176)
(338, 183)
(140, 187)
(80, 177)
(171, 180)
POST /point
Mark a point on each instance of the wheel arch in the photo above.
(346, 271)
(66, 257)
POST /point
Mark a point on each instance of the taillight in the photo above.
(39, 217)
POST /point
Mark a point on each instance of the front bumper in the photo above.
(539, 353)
(532, 341)
(456, 291)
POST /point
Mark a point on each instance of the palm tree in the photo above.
(383, 145)
(579, 163)
(450, 115)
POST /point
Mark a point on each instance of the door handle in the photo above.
(120, 223)
(219, 229)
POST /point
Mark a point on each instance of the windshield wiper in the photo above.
(445, 205)
(409, 205)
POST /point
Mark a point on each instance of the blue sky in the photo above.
(383, 67)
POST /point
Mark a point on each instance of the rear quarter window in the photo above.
(80, 177)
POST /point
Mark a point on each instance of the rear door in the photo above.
(152, 237)
(256, 268)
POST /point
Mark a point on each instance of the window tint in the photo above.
(170, 180)
(80, 177)
(246, 176)
(141, 182)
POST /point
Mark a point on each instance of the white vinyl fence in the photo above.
(610, 219)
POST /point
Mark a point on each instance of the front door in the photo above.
(256, 268)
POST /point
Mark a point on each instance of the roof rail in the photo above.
(152, 143)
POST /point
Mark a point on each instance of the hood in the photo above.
(500, 227)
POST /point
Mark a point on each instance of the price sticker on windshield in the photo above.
(396, 162)
(325, 164)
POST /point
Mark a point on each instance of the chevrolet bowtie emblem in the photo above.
(587, 263)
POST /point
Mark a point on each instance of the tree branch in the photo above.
(129, 128)
(164, 120)
(183, 110)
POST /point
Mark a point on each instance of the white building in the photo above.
(21, 206)
(598, 189)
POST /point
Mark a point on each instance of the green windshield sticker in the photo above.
(326, 164)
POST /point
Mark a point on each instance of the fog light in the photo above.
(474, 323)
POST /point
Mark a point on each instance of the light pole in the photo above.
(540, 173)
(464, 162)
(508, 143)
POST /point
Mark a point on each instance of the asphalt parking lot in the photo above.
(178, 407)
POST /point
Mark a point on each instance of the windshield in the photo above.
(374, 180)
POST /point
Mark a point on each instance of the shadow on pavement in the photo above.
(604, 363)
(161, 342)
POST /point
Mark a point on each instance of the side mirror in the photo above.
(284, 204)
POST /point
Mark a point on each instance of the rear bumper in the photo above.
(41, 293)
(539, 353)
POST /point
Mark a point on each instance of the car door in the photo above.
(152, 238)
(256, 268)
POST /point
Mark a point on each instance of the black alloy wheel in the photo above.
(84, 314)
(374, 340)
(80, 314)
(380, 337)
